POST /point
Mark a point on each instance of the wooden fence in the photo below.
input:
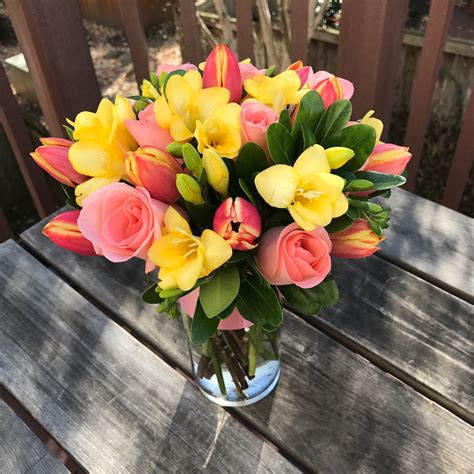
(53, 40)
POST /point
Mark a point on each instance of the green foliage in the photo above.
(381, 181)
(334, 119)
(285, 119)
(310, 111)
(151, 295)
(339, 224)
(202, 327)
(280, 144)
(251, 160)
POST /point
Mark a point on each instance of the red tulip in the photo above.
(64, 232)
(222, 70)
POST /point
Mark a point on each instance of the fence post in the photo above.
(20, 142)
(462, 161)
(299, 30)
(190, 29)
(424, 84)
(136, 39)
(369, 53)
(53, 40)
(243, 12)
(5, 231)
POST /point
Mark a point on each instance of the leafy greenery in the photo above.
(202, 327)
(334, 119)
(381, 181)
(250, 160)
(280, 144)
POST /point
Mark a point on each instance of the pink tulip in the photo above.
(358, 241)
(64, 232)
(255, 118)
(233, 322)
(122, 222)
(247, 71)
(222, 70)
(238, 222)
(156, 171)
(330, 87)
(302, 71)
(53, 158)
(387, 158)
(146, 130)
(171, 67)
(289, 255)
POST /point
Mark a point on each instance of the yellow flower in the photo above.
(184, 258)
(185, 103)
(276, 92)
(376, 123)
(102, 143)
(149, 90)
(216, 171)
(221, 131)
(309, 191)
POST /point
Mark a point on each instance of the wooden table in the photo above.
(383, 382)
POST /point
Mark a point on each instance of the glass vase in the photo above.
(235, 367)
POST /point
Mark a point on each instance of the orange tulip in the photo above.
(358, 241)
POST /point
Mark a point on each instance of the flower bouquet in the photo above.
(240, 185)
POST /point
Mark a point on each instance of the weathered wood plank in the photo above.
(431, 241)
(243, 13)
(112, 403)
(190, 30)
(299, 30)
(21, 450)
(304, 405)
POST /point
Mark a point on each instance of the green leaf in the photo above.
(172, 293)
(149, 100)
(308, 136)
(381, 181)
(300, 300)
(251, 160)
(358, 185)
(226, 312)
(326, 293)
(285, 119)
(353, 213)
(248, 192)
(202, 327)
(69, 132)
(238, 256)
(258, 303)
(359, 138)
(333, 120)
(201, 214)
(151, 296)
(219, 293)
(310, 111)
(339, 224)
(280, 144)
(269, 72)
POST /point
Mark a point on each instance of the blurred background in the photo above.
(110, 54)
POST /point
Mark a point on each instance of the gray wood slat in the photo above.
(20, 450)
(327, 397)
(432, 241)
(107, 399)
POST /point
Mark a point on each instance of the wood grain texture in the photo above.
(112, 403)
(243, 13)
(303, 405)
(20, 450)
(431, 241)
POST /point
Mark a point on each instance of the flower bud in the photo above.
(216, 171)
(357, 241)
(338, 156)
(64, 232)
(189, 188)
(175, 149)
(192, 159)
(149, 90)
(222, 70)
(53, 158)
(387, 158)
(156, 171)
(238, 222)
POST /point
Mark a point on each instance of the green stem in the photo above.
(252, 359)
(216, 364)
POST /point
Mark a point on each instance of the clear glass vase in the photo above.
(235, 367)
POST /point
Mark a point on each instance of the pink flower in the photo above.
(232, 323)
(289, 255)
(122, 222)
(241, 216)
(387, 158)
(302, 71)
(147, 132)
(247, 71)
(255, 119)
(64, 232)
(358, 241)
(171, 67)
(53, 158)
(330, 87)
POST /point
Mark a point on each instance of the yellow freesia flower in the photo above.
(309, 191)
(216, 171)
(184, 258)
(221, 131)
(375, 123)
(149, 90)
(186, 103)
(276, 92)
(101, 146)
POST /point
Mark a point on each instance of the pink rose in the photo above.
(122, 222)
(147, 132)
(255, 119)
(171, 67)
(289, 255)
(247, 71)
(233, 322)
